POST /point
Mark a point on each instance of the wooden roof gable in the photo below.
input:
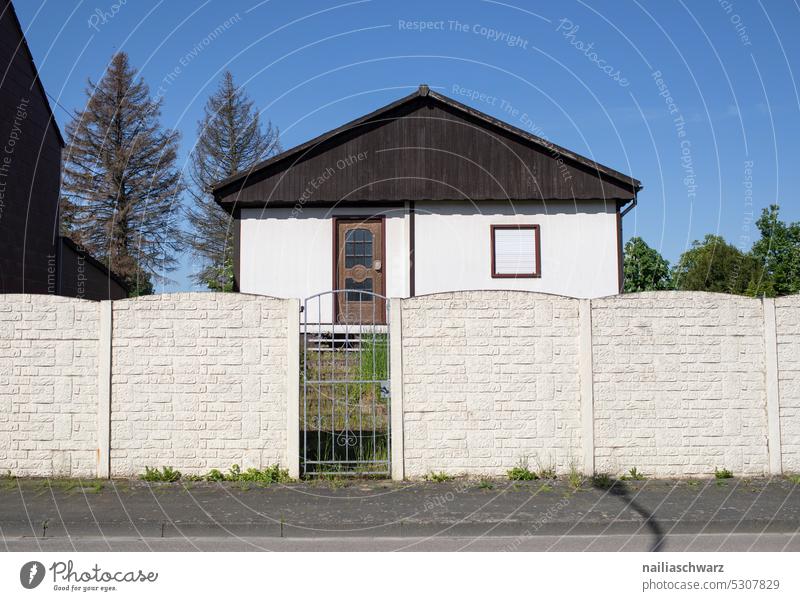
(424, 146)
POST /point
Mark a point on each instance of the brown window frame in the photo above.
(521, 226)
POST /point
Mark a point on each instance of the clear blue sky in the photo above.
(729, 67)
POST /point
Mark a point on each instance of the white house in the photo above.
(421, 196)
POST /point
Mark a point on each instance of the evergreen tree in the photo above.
(231, 138)
(644, 268)
(121, 186)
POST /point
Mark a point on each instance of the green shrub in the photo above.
(723, 474)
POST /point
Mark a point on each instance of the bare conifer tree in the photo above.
(121, 187)
(231, 138)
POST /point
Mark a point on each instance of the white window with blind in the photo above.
(516, 251)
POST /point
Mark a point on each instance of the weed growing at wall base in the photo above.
(723, 474)
(438, 477)
(575, 478)
(633, 474)
(521, 472)
(165, 474)
(269, 475)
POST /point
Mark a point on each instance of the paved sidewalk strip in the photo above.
(123, 513)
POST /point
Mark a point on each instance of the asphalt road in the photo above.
(654, 515)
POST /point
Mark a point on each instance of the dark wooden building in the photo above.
(33, 257)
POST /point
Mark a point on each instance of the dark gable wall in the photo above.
(30, 164)
(81, 276)
(423, 150)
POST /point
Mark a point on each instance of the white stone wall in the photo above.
(490, 379)
(787, 320)
(679, 384)
(48, 385)
(199, 382)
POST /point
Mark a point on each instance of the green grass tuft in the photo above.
(722, 474)
(439, 477)
(575, 478)
(633, 474)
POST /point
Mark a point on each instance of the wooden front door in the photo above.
(360, 271)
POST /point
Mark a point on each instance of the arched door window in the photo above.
(358, 248)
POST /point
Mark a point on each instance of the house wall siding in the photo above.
(578, 246)
(289, 253)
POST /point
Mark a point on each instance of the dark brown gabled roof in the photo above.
(9, 6)
(270, 181)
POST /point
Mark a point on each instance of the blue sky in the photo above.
(596, 78)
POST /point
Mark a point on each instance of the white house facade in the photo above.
(425, 196)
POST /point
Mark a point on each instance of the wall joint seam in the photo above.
(772, 387)
(586, 370)
(104, 347)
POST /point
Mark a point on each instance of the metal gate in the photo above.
(346, 392)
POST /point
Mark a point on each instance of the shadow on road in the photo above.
(620, 490)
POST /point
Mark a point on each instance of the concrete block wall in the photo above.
(674, 384)
(198, 382)
(490, 379)
(787, 319)
(679, 384)
(48, 385)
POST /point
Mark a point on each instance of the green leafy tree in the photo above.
(776, 255)
(121, 186)
(644, 268)
(714, 265)
(231, 138)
